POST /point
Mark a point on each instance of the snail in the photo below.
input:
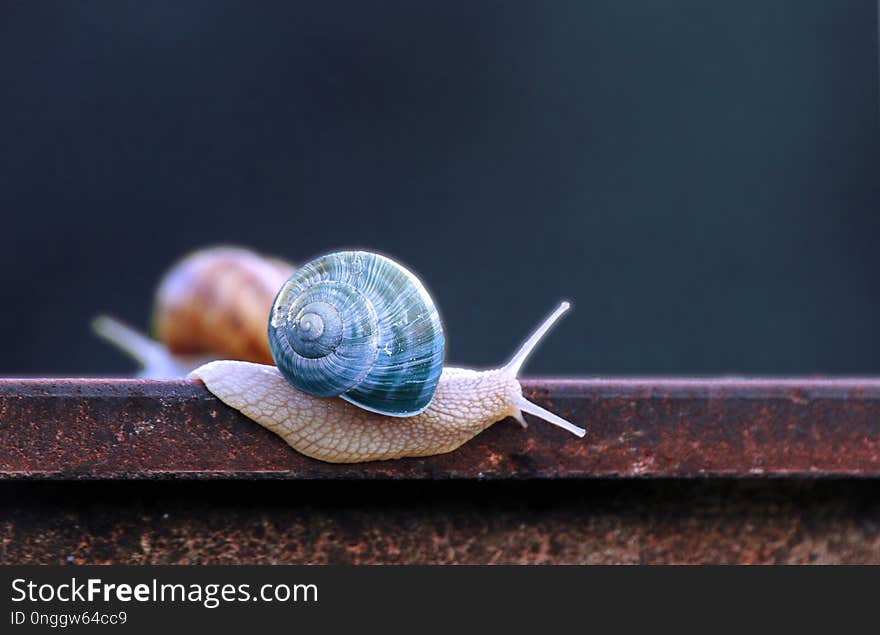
(353, 325)
(360, 326)
(212, 304)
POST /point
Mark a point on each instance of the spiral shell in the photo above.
(215, 301)
(359, 326)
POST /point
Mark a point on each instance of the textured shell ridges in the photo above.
(359, 326)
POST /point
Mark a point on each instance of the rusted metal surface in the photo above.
(153, 431)
(118, 429)
(576, 521)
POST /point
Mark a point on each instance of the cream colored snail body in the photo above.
(465, 403)
(362, 327)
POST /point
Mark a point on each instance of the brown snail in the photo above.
(212, 304)
(216, 301)
(362, 327)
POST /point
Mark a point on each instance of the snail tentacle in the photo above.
(534, 409)
(528, 347)
(156, 361)
(516, 363)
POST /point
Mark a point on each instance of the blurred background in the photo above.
(700, 178)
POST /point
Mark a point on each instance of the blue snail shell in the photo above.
(359, 326)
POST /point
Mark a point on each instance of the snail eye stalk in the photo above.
(519, 358)
(155, 359)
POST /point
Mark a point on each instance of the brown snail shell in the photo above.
(216, 301)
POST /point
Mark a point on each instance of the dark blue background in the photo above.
(700, 178)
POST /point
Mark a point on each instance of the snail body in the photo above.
(465, 403)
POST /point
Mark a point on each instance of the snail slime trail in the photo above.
(361, 327)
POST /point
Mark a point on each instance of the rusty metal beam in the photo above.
(135, 429)
(596, 521)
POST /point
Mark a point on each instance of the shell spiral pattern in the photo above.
(359, 326)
